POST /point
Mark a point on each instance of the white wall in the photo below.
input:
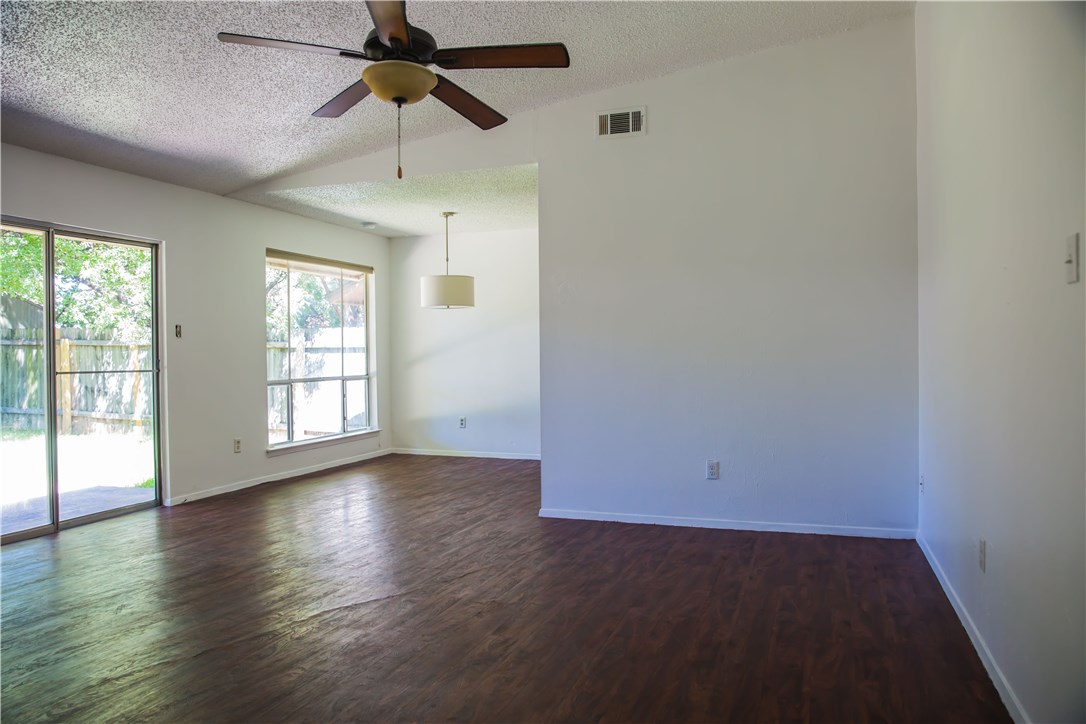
(738, 284)
(481, 362)
(1000, 148)
(213, 258)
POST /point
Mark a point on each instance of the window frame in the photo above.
(292, 263)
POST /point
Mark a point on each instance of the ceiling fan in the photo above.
(400, 54)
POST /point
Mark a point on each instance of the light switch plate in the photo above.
(1071, 262)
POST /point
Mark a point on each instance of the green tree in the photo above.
(22, 266)
(100, 287)
(315, 302)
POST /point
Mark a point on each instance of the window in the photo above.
(318, 356)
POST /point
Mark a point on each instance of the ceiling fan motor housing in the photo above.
(422, 47)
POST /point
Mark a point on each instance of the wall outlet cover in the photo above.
(712, 470)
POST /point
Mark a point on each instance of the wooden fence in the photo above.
(103, 382)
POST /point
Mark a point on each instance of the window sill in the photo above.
(289, 447)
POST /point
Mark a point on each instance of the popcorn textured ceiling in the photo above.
(146, 88)
(484, 200)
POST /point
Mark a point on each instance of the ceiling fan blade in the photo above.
(344, 101)
(466, 104)
(540, 55)
(390, 19)
(289, 45)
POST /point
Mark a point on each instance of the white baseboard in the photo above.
(242, 484)
(466, 454)
(1010, 699)
(848, 530)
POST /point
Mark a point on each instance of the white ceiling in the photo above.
(145, 87)
(490, 199)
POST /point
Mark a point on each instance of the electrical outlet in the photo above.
(712, 470)
(983, 555)
(463, 422)
(237, 444)
(177, 331)
(921, 484)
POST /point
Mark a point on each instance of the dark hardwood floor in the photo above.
(414, 588)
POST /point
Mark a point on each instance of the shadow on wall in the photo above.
(498, 331)
(486, 432)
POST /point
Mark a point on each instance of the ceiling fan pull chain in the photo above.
(399, 168)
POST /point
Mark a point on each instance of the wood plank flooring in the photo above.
(415, 588)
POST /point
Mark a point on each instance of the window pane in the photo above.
(277, 414)
(103, 306)
(275, 282)
(316, 344)
(354, 324)
(105, 443)
(105, 385)
(317, 316)
(24, 478)
(318, 409)
(357, 404)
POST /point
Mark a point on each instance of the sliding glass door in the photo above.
(105, 376)
(25, 500)
(91, 299)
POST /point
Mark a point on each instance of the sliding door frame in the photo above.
(49, 232)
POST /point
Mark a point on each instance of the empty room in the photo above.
(542, 361)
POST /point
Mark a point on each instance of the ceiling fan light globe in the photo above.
(399, 81)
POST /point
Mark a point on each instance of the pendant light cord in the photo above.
(447, 214)
(399, 168)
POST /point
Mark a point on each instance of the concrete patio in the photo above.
(96, 472)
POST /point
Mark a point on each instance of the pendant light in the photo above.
(448, 291)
